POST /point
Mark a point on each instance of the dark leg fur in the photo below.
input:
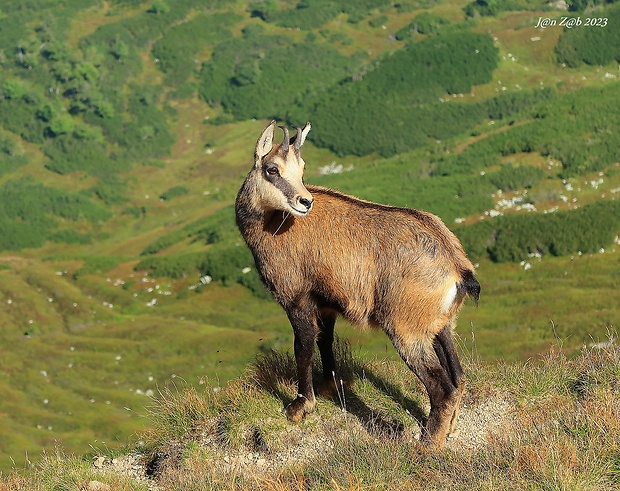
(441, 373)
(444, 344)
(325, 342)
(304, 328)
(446, 353)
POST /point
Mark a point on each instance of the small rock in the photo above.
(99, 462)
(97, 486)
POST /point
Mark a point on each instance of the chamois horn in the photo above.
(286, 138)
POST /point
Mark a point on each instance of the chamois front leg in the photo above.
(325, 342)
(305, 330)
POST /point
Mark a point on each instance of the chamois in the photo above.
(322, 253)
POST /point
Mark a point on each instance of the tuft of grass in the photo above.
(276, 372)
(176, 413)
(58, 471)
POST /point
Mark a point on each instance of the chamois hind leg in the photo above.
(441, 373)
(325, 341)
(449, 360)
(439, 370)
(305, 330)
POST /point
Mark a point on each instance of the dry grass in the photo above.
(58, 471)
(550, 424)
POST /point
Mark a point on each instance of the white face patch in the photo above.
(292, 171)
(448, 299)
(282, 187)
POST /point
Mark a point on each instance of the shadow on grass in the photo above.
(276, 373)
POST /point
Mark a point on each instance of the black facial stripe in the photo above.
(283, 185)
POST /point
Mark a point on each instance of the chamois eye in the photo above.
(272, 171)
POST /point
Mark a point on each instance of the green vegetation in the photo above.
(210, 230)
(225, 261)
(312, 14)
(174, 192)
(597, 46)
(28, 211)
(11, 156)
(126, 128)
(517, 237)
(491, 7)
(568, 128)
(425, 23)
(249, 84)
(512, 178)
(81, 121)
(176, 52)
(395, 107)
(254, 85)
(97, 264)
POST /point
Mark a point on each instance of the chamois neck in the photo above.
(247, 211)
(253, 220)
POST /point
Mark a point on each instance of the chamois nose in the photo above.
(306, 202)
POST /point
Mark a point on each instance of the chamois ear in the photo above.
(264, 143)
(301, 135)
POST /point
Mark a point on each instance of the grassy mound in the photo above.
(546, 424)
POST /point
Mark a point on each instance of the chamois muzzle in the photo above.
(301, 205)
(306, 202)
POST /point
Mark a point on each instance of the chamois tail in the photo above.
(469, 285)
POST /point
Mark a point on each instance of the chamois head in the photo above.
(280, 170)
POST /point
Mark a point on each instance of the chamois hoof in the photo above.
(455, 433)
(430, 444)
(297, 409)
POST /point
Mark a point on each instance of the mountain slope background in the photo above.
(126, 129)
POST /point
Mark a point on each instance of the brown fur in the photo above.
(373, 264)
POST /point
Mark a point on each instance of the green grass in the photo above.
(541, 438)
